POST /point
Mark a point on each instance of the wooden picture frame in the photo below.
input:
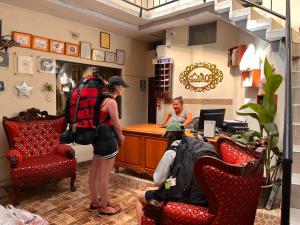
(72, 49)
(98, 55)
(40, 43)
(85, 50)
(110, 57)
(57, 46)
(104, 40)
(22, 38)
(120, 57)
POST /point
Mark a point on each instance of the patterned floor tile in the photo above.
(59, 206)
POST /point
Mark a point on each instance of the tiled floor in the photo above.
(59, 206)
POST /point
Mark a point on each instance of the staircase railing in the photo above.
(250, 3)
(148, 5)
(288, 128)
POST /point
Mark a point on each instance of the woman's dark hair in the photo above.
(111, 88)
(173, 136)
(180, 99)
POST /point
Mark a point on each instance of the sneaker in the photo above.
(94, 208)
(109, 210)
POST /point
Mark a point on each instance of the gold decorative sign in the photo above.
(200, 77)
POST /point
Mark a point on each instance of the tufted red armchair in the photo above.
(35, 154)
(232, 186)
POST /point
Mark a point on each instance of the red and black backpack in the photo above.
(82, 111)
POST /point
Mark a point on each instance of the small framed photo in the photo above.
(24, 64)
(22, 38)
(104, 40)
(120, 57)
(72, 49)
(98, 55)
(110, 57)
(47, 65)
(57, 47)
(85, 50)
(40, 43)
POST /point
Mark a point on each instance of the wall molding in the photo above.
(208, 101)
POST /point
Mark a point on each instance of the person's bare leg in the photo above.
(140, 201)
(106, 166)
(93, 181)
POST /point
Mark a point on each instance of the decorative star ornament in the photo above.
(24, 89)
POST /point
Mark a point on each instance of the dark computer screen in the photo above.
(211, 114)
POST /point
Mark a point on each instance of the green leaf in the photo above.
(272, 130)
(253, 115)
(242, 140)
(236, 136)
(255, 107)
(270, 88)
(267, 69)
(264, 116)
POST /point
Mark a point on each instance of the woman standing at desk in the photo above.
(178, 114)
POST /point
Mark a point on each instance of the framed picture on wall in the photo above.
(40, 43)
(47, 65)
(120, 57)
(22, 38)
(24, 64)
(85, 50)
(110, 57)
(98, 55)
(104, 40)
(57, 47)
(72, 49)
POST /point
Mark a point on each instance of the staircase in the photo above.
(295, 194)
(250, 20)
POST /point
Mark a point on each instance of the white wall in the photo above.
(134, 105)
(216, 53)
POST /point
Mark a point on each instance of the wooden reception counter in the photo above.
(143, 147)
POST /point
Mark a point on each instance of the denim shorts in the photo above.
(106, 148)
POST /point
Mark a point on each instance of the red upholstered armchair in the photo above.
(232, 186)
(35, 153)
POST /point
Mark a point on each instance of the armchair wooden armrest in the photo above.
(15, 157)
(65, 150)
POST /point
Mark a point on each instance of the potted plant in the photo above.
(265, 114)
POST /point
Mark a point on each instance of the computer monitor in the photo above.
(211, 114)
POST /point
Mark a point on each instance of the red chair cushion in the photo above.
(233, 155)
(148, 221)
(237, 202)
(36, 137)
(184, 214)
(41, 168)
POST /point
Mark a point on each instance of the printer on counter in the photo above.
(235, 126)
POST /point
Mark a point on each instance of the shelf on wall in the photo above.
(250, 78)
(235, 55)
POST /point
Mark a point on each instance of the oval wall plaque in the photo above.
(200, 77)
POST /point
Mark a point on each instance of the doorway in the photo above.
(68, 76)
(151, 101)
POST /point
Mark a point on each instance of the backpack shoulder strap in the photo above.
(100, 98)
(77, 102)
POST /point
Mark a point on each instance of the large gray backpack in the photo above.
(187, 190)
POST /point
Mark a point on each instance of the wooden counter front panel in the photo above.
(131, 150)
(154, 150)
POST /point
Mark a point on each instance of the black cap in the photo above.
(116, 80)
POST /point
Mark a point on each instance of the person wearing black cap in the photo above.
(106, 149)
